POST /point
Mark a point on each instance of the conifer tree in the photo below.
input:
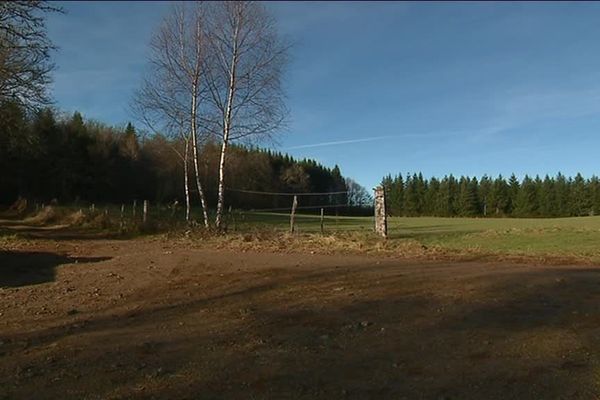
(445, 200)
(527, 204)
(469, 204)
(594, 185)
(499, 198)
(412, 195)
(547, 197)
(485, 188)
(431, 197)
(580, 204)
(395, 194)
(563, 195)
(513, 193)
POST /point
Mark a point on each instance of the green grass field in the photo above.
(544, 237)
(571, 237)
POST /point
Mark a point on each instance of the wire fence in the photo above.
(314, 211)
(287, 193)
(299, 211)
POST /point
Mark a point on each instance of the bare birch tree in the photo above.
(172, 92)
(244, 71)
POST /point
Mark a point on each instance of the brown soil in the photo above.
(154, 318)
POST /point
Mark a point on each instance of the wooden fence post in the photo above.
(322, 228)
(174, 208)
(485, 206)
(230, 216)
(380, 212)
(122, 218)
(145, 218)
(293, 214)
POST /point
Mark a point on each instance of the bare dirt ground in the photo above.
(151, 318)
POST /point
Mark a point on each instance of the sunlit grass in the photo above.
(578, 237)
(538, 237)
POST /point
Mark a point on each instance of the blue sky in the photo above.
(377, 88)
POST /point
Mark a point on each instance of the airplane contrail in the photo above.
(323, 144)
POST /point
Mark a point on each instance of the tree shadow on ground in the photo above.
(22, 268)
(58, 232)
(366, 332)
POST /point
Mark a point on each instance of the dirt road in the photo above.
(146, 318)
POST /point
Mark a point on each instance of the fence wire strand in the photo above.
(286, 193)
(297, 208)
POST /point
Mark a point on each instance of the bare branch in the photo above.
(25, 64)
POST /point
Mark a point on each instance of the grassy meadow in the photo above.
(577, 237)
(569, 237)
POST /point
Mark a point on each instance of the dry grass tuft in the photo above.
(19, 206)
(364, 243)
(47, 215)
(76, 218)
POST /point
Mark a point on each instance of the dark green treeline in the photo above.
(47, 155)
(558, 196)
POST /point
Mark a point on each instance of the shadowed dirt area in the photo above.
(22, 268)
(154, 318)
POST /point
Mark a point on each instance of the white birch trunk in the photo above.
(199, 185)
(185, 180)
(195, 155)
(227, 129)
(221, 196)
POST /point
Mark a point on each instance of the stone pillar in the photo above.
(380, 212)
